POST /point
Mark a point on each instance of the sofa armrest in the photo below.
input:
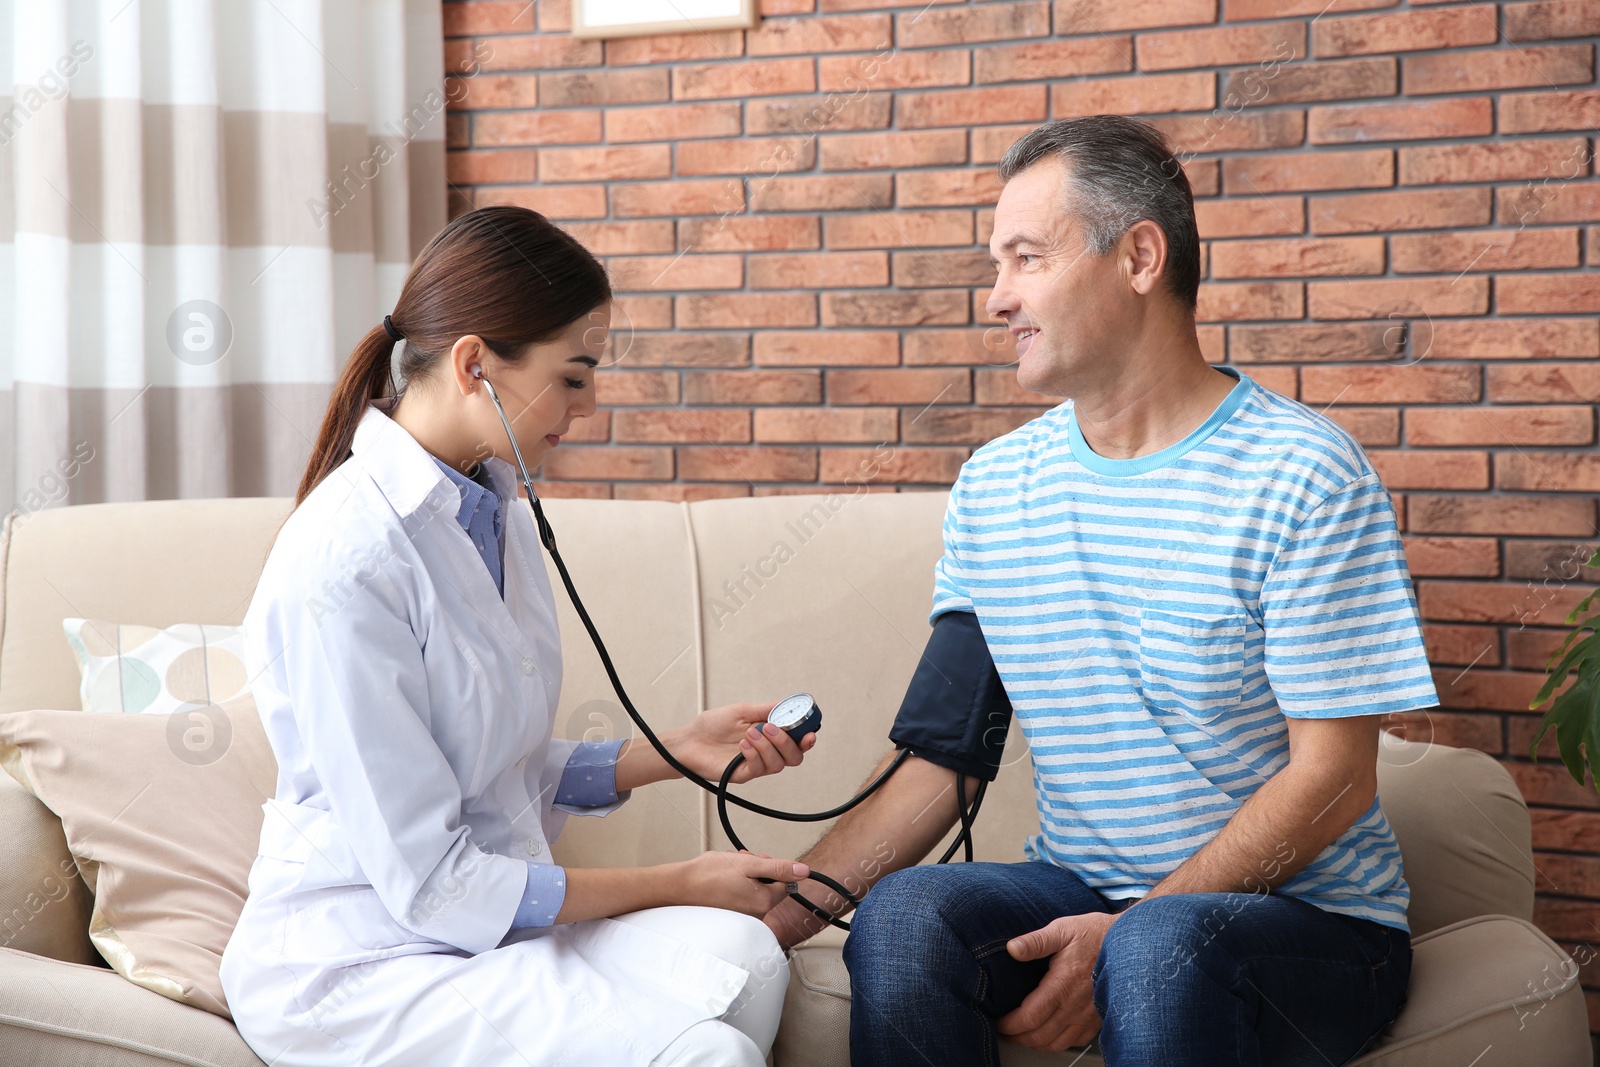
(44, 905)
(56, 1014)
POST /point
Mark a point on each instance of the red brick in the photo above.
(1205, 176)
(1402, 31)
(753, 386)
(489, 167)
(680, 348)
(941, 425)
(496, 128)
(594, 164)
(964, 24)
(1228, 131)
(1137, 95)
(898, 229)
(1395, 296)
(900, 386)
(991, 346)
(1315, 342)
(813, 114)
(676, 273)
(1531, 649)
(641, 311)
(1552, 561)
(1496, 162)
(739, 310)
(1456, 644)
(971, 107)
(852, 193)
(1500, 426)
(1244, 10)
(1484, 251)
(1224, 302)
(677, 198)
(1499, 68)
(595, 462)
(491, 91)
(636, 387)
(1297, 257)
(929, 269)
(998, 387)
(1250, 217)
(1300, 172)
(805, 425)
(673, 47)
(1516, 339)
(1547, 294)
(744, 78)
(1062, 58)
(677, 492)
(487, 16)
(602, 88)
(536, 52)
(1453, 728)
(892, 465)
(923, 307)
(1488, 690)
(573, 490)
(815, 348)
(743, 233)
(747, 155)
(1549, 783)
(819, 270)
(1419, 383)
(943, 188)
(1576, 830)
(863, 151)
(671, 425)
(1409, 121)
(1510, 603)
(623, 238)
(747, 463)
(1411, 469)
(1101, 16)
(554, 201)
(1371, 427)
(1222, 46)
(1552, 18)
(672, 123)
(1410, 209)
(1341, 79)
(1536, 112)
(1519, 515)
(1553, 199)
(1544, 383)
(901, 70)
(814, 36)
(1562, 472)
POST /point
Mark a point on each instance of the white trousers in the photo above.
(743, 1035)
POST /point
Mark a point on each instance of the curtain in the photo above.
(203, 205)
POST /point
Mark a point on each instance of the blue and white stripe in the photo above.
(1155, 619)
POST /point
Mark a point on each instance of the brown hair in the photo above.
(506, 274)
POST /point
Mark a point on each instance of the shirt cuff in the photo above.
(589, 781)
(542, 898)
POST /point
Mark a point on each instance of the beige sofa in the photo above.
(706, 604)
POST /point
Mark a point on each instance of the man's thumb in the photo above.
(1029, 946)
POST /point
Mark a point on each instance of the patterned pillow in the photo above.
(140, 670)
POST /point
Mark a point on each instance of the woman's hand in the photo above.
(728, 880)
(717, 735)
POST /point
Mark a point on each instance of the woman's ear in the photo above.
(467, 353)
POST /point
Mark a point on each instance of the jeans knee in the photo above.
(1159, 949)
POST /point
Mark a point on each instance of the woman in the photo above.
(403, 907)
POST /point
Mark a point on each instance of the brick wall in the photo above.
(1401, 227)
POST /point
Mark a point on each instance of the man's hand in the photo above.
(1060, 1012)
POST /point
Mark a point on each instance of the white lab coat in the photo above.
(410, 710)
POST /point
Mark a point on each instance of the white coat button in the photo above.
(527, 665)
(533, 847)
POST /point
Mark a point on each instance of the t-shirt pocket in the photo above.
(1191, 663)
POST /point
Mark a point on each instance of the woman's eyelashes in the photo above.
(577, 383)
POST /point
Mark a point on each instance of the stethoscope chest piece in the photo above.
(796, 716)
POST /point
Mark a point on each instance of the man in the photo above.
(1194, 593)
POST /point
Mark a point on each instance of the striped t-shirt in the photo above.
(1155, 618)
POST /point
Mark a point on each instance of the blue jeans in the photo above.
(1188, 979)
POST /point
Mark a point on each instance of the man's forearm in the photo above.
(894, 828)
(1281, 828)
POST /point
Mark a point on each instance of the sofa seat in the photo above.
(1459, 1011)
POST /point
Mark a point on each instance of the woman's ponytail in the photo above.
(366, 376)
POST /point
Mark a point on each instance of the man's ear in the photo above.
(1145, 246)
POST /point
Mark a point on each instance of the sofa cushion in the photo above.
(53, 1012)
(162, 814)
(46, 905)
(1489, 981)
(133, 669)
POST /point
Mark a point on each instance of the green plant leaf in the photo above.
(1558, 673)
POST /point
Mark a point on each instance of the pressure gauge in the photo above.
(796, 716)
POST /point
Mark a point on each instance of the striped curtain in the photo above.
(203, 205)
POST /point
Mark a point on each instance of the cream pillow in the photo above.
(150, 671)
(162, 815)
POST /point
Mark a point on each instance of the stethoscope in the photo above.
(797, 716)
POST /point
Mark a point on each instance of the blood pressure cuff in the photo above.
(956, 712)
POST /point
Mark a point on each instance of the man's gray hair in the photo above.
(1120, 170)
